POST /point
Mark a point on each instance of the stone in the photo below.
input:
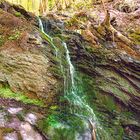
(25, 65)
(11, 136)
(14, 110)
(2, 118)
(31, 118)
(28, 133)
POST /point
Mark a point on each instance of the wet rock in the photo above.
(52, 24)
(11, 136)
(14, 123)
(113, 80)
(2, 118)
(11, 125)
(31, 118)
(85, 136)
(14, 110)
(29, 72)
(25, 60)
(28, 133)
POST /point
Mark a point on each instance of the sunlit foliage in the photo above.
(30, 5)
(43, 6)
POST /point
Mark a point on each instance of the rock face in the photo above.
(24, 62)
(115, 74)
(114, 84)
(27, 70)
(14, 129)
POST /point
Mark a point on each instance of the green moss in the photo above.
(127, 114)
(117, 132)
(61, 126)
(56, 71)
(72, 21)
(4, 130)
(136, 36)
(15, 36)
(20, 116)
(54, 107)
(49, 121)
(109, 103)
(17, 14)
(116, 84)
(101, 53)
(46, 37)
(5, 92)
(63, 36)
(116, 91)
(1, 40)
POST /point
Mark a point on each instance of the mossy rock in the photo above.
(6, 92)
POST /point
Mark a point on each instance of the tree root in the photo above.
(93, 132)
(106, 24)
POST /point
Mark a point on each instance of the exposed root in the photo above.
(106, 24)
(93, 131)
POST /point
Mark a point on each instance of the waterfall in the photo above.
(49, 39)
(73, 91)
(41, 25)
(78, 106)
(71, 67)
(77, 100)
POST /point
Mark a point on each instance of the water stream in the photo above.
(49, 38)
(77, 105)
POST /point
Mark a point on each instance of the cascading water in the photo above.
(78, 106)
(73, 91)
(82, 110)
(49, 39)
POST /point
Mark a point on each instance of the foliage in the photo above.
(61, 126)
(6, 92)
(30, 5)
(17, 14)
(43, 6)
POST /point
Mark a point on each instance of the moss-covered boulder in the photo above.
(26, 58)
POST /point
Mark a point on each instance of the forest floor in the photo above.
(123, 19)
